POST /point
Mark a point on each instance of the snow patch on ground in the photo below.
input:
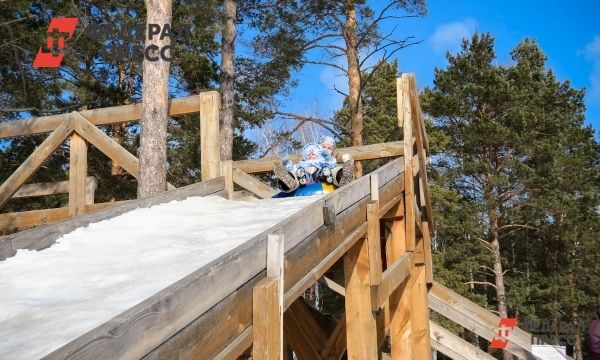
(48, 298)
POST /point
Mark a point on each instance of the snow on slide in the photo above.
(50, 297)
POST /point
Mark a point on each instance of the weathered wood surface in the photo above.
(106, 144)
(476, 319)
(302, 332)
(209, 334)
(34, 161)
(453, 346)
(364, 152)
(77, 175)
(405, 117)
(252, 184)
(27, 219)
(48, 188)
(210, 151)
(391, 279)
(266, 320)
(374, 242)
(103, 116)
(419, 316)
(44, 236)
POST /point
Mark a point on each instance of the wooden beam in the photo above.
(361, 327)
(419, 316)
(306, 344)
(364, 152)
(42, 237)
(265, 320)
(210, 150)
(335, 347)
(333, 286)
(275, 267)
(409, 198)
(476, 319)
(428, 256)
(252, 184)
(453, 346)
(34, 161)
(91, 185)
(48, 188)
(391, 279)
(106, 145)
(102, 116)
(77, 175)
(374, 243)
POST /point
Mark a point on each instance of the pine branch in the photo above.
(481, 283)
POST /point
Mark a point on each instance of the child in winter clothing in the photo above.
(338, 175)
(302, 173)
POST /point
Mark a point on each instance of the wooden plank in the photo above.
(361, 327)
(210, 153)
(374, 243)
(227, 172)
(106, 145)
(306, 345)
(374, 187)
(420, 316)
(102, 116)
(419, 135)
(333, 286)
(428, 256)
(476, 319)
(42, 237)
(77, 175)
(335, 347)
(48, 188)
(409, 198)
(34, 161)
(235, 348)
(347, 195)
(275, 267)
(252, 184)
(453, 346)
(305, 263)
(266, 322)
(392, 278)
(364, 152)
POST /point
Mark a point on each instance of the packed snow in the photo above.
(50, 297)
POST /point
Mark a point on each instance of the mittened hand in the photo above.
(324, 153)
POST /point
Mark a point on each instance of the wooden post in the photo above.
(421, 344)
(267, 305)
(77, 175)
(399, 305)
(227, 172)
(361, 328)
(405, 117)
(210, 150)
(374, 242)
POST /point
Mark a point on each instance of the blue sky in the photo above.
(568, 33)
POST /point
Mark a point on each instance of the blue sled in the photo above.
(317, 188)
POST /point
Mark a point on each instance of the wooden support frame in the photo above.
(391, 279)
(34, 161)
(419, 317)
(51, 188)
(453, 346)
(227, 172)
(405, 121)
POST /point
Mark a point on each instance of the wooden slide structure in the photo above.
(248, 303)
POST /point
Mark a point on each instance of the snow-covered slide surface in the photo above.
(50, 297)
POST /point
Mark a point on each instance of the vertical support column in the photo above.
(374, 242)
(90, 189)
(77, 175)
(421, 343)
(405, 119)
(361, 328)
(210, 149)
(267, 305)
(399, 301)
(227, 172)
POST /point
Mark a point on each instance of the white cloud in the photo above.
(449, 36)
(592, 53)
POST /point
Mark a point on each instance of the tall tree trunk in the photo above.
(155, 116)
(227, 78)
(354, 81)
(577, 345)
